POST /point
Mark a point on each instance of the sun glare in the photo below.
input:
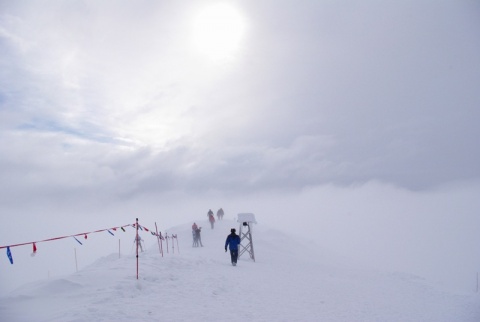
(218, 30)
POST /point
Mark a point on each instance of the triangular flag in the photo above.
(34, 250)
(9, 255)
(78, 240)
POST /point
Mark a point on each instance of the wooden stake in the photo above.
(136, 239)
(166, 240)
(159, 240)
(76, 263)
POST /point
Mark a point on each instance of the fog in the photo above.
(433, 235)
(353, 125)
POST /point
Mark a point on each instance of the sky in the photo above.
(119, 98)
(164, 109)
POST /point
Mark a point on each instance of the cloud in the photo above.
(115, 99)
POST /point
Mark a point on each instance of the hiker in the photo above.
(194, 235)
(209, 213)
(139, 240)
(197, 239)
(233, 240)
(220, 214)
(211, 219)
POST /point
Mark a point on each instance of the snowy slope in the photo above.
(291, 280)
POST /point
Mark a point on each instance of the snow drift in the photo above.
(291, 280)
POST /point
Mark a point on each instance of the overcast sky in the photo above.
(120, 98)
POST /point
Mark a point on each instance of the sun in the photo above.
(218, 31)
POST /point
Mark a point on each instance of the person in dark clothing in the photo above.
(197, 239)
(233, 240)
(194, 235)
(220, 214)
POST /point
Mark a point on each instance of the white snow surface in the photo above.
(290, 280)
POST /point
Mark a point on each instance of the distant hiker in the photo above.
(233, 240)
(196, 237)
(220, 214)
(138, 240)
(209, 213)
(211, 219)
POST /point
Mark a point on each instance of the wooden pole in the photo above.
(136, 239)
(166, 240)
(178, 247)
(119, 248)
(161, 243)
(158, 240)
(76, 263)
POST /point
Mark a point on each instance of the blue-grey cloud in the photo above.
(114, 98)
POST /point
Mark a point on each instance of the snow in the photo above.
(290, 280)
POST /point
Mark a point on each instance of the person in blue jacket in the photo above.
(233, 240)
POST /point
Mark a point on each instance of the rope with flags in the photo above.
(85, 236)
(74, 236)
(67, 236)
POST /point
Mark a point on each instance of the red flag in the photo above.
(34, 250)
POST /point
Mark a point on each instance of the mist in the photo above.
(351, 125)
(432, 234)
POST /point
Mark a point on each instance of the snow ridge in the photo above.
(291, 280)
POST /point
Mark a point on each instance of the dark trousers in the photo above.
(234, 255)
